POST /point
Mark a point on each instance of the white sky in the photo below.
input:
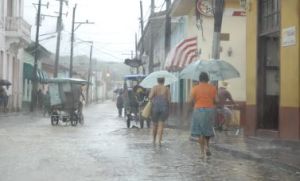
(116, 22)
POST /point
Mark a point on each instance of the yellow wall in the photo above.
(251, 46)
(289, 57)
(237, 43)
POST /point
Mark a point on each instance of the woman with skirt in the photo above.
(203, 98)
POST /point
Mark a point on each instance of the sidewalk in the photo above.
(284, 154)
(10, 114)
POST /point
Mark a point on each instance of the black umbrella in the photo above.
(4, 82)
(118, 90)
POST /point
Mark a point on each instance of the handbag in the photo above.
(147, 110)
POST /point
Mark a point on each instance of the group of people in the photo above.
(204, 99)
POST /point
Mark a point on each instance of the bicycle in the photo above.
(226, 119)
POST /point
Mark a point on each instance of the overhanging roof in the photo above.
(182, 7)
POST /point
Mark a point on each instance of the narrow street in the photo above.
(104, 149)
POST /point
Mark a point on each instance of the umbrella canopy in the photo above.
(4, 82)
(151, 79)
(217, 70)
(118, 90)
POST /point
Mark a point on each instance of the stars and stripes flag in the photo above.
(181, 55)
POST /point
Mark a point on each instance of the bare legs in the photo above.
(201, 142)
(158, 129)
(154, 131)
(204, 146)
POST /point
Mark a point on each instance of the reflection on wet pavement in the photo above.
(104, 149)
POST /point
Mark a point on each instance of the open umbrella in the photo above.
(4, 82)
(217, 70)
(151, 79)
(118, 90)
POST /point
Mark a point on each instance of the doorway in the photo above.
(268, 83)
(268, 61)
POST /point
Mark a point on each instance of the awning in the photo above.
(182, 7)
(182, 54)
(27, 73)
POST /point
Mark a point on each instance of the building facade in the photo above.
(186, 24)
(273, 63)
(14, 37)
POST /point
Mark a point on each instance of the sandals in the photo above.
(208, 153)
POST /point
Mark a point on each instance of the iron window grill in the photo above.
(269, 16)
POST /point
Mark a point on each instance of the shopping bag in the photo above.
(147, 110)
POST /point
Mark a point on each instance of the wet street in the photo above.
(104, 149)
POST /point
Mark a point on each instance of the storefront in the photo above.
(273, 78)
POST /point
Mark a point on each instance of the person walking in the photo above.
(224, 99)
(160, 96)
(3, 98)
(120, 103)
(47, 104)
(202, 98)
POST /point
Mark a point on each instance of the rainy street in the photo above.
(104, 149)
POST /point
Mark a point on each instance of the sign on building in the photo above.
(288, 36)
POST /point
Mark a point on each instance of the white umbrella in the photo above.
(151, 79)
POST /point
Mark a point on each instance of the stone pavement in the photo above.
(283, 153)
(104, 149)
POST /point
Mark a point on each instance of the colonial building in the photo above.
(192, 34)
(14, 37)
(273, 68)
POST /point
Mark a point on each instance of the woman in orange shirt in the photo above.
(203, 98)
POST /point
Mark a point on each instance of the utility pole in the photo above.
(96, 80)
(151, 56)
(34, 85)
(152, 6)
(218, 15)
(89, 74)
(167, 28)
(142, 35)
(72, 38)
(58, 28)
(72, 42)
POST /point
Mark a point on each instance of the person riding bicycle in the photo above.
(225, 98)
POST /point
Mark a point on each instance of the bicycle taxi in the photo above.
(135, 99)
(65, 103)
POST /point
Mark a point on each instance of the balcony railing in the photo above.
(17, 26)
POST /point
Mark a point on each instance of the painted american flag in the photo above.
(183, 54)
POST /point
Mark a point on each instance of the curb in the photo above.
(14, 114)
(254, 157)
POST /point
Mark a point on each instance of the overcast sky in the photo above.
(116, 22)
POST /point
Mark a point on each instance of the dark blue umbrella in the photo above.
(4, 82)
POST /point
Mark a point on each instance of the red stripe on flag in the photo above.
(178, 50)
(182, 55)
(186, 59)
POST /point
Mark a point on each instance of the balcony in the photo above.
(17, 27)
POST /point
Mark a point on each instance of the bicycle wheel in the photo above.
(54, 119)
(74, 119)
